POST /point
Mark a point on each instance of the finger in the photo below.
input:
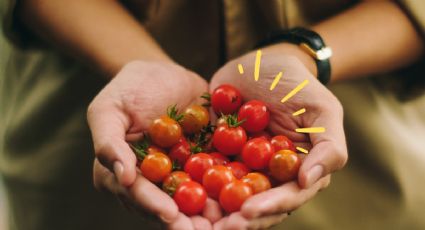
(266, 221)
(329, 152)
(235, 221)
(220, 223)
(142, 195)
(200, 223)
(149, 197)
(181, 222)
(133, 137)
(212, 211)
(104, 180)
(108, 127)
(284, 198)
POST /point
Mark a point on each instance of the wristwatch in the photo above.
(310, 42)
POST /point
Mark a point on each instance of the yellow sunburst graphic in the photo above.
(287, 97)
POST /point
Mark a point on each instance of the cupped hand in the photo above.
(327, 150)
(139, 93)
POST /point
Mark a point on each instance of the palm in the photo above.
(314, 97)
(140, 92)
(327, 149)
(145, 90)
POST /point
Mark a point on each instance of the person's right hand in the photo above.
(139, 93)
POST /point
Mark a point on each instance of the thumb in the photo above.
(329, 152)
(108, 126)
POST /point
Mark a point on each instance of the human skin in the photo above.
(358, 37)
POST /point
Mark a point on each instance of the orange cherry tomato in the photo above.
(257, 181)
(156, 166)
(234, 194)
(215, 178)
(152, 149)
(284, 165)
(172, 181)
(195, 117)
(165, 132)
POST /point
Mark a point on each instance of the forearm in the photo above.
(372, 37)
(101, 32)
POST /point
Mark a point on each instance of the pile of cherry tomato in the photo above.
(230, 161)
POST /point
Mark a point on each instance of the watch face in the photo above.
(324, 53)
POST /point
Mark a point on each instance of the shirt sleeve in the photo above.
(415, 9)
(13, 29)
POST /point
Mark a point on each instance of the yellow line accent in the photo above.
(302, 150)
(301, 111)
(294, 91)
(275, 81)
(257, 65)
(311, 130)
(240, 68)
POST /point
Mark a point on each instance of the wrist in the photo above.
(113, 66)
(296, 51)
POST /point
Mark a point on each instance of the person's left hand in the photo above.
(327, 150)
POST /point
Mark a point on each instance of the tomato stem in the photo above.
(140, 147)
(173, 113)
(203, 137)
(232, 121)
(176, 166)
(207, 97)
(139, 152)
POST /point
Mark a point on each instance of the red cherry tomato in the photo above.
(190, 197)
(233, 195)
(256, 153)
(156, 166)
(238, 169)
(180, 152)
(197, 164)
(195, 117)
(261, 134)
(226, 99)
(257, 181)
(229, 140)
(284, 165)
(255, 114)
(219, 159)
(215, 178)
(172, 181)
(165, 132)
(280, 142)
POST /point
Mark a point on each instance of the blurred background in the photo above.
(3, 210)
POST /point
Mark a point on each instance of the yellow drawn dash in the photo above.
(302, 150)
(311, 130)
(240, 68)
(301, 111)
(257, 65)
(294, 91)
(275, 81)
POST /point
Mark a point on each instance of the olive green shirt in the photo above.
(45, 146)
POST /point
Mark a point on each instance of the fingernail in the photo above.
(166, 220)
(118, 170)
(314, 175)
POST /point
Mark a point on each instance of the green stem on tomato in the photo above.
(173, 113)
(207, 97)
